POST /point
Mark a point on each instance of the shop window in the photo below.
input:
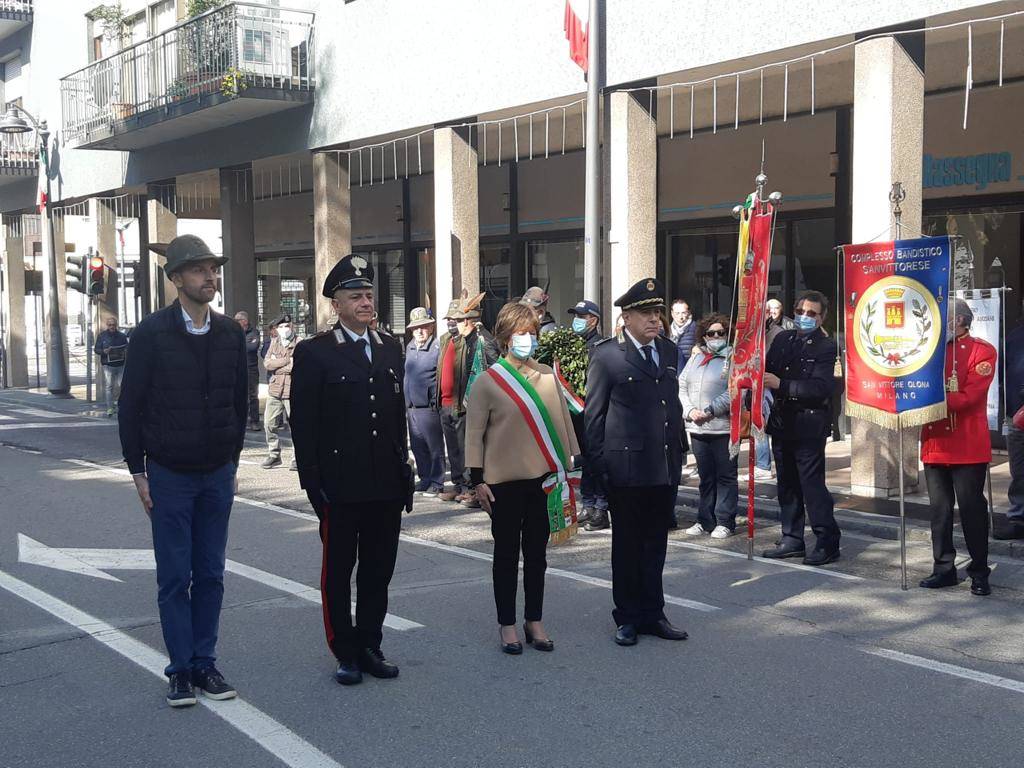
(495, 280)
(814, 263)
(557, 266)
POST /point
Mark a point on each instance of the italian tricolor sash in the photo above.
(561, 484)
(572, 400)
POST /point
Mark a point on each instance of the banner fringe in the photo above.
(893, 421)
(562, 536)
(921, 416)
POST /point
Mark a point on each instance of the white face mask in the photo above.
(522, 345)
(285, 332)
(716, 345)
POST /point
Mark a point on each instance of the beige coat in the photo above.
(278, 363)
(498, 438)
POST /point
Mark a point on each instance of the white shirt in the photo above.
(191, 327)
(639, 347)
(365, 336)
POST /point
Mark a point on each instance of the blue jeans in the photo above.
(718, 488)
(190, 533)
(763, 453)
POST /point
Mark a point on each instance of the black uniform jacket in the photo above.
(348, 418)
(633, 419)
(805, 365)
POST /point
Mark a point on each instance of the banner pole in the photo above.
(751, 450)
(903, 513)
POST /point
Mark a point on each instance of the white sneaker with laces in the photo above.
(763, 474)
(695, 530)
(721, 532)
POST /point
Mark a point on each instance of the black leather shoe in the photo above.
(540, 645)
(598, 520)
(939, 580)
(663, 628)
(512, 649)
(585, 514)
(372, 662)
(1008, 531)
(782, 551)
(979, 586)
(626, 634)
(822, 556)
(673, 523)
(348, 673)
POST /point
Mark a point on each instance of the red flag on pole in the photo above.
(577, 31)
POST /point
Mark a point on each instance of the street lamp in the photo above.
(57, 382)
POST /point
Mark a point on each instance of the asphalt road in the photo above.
(785, 666)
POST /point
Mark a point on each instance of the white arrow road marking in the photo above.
(464, 552)
(58, 425)
(93, 562)
(275, 738)
(42, 414)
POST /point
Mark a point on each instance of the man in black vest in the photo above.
(634, 437)
(799, 369)
(183, 407)
(351, 446)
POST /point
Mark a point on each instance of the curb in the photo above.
(882, 527)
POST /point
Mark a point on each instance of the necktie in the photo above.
(364, 348)
(649, 357)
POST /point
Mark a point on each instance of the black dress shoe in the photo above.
(540, 645)
(939, 580)
(1008, 531)
(782, 551)
(372, 662)
(979, 586)
(663, 628)
(348, 673)
(822, 556)
(626, 634)
(513, 648)
(597, 521)
(673, 523)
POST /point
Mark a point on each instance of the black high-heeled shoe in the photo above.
(540, 645)
(512, 649)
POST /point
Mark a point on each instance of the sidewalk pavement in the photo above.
(870, 516)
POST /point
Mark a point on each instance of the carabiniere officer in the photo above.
(351, 445)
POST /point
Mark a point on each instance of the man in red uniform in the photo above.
(956, 452)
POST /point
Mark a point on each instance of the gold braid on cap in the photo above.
(644, 303)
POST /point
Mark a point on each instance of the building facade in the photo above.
(444, 140)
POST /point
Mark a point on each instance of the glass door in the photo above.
(557, 267)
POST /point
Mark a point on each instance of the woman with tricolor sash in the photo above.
(519, 448)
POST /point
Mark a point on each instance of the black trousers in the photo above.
(964, 484)
(366, 532)
(640, 523)
(519, 520)
(800, 468)
(454, 429)
(254, 395)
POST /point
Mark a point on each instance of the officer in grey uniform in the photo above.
(351, 445)
(634, 437)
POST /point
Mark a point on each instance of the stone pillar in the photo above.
(161, 227)
(456, 218)
(13, 308)
(104, 219)
(888, 138)
(239, 240)
(271, 299)
(332, 224)
(633, 186)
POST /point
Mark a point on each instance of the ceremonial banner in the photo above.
(896, 295)
(987, 317)
(753, 259)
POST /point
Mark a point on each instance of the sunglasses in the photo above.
(715, 334)
(807, 312)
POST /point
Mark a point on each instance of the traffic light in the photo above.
(137, 279)
(74, 271)
(96, 275)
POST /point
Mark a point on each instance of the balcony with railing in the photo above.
(234, 63)
(19, 156)
(14, 15)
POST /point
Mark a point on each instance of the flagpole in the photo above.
(897, 196)
(594, 194)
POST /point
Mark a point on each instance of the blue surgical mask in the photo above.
(579, 325)
(805, 324)
(522, 345)
(716, 345)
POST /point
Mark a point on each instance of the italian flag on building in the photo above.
(577, 30)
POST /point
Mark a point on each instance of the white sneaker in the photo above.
(721, 532)
(686, 473)
(695, 530)
(763, 474)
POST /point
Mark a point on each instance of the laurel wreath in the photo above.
(896, 359)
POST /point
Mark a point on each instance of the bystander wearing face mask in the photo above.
(715, 345)
(805, 323)
(579, 325)
(522, 345)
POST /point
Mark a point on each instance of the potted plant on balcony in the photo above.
(117, 31)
